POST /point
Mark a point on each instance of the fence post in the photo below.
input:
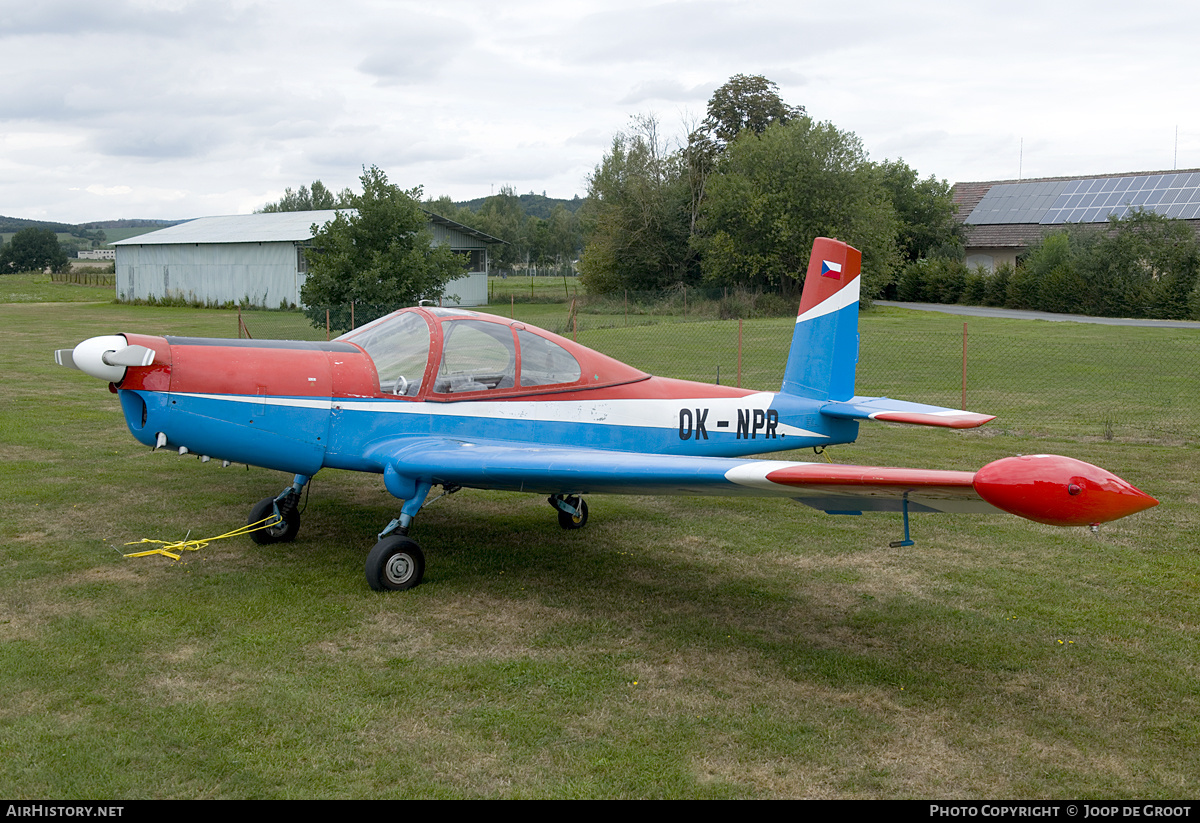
(964, 369)
(739, 385)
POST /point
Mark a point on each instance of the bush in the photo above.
(933, 280)
(1144, 266)
(996, 292)
(976, 286)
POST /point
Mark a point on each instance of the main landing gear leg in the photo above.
(285, 509)
(396, 563)
(572, 510)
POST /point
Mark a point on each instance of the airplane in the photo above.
(454, 398)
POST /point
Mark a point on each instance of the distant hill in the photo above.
(9, 225)
(534, 205)
(75, 236)
(131, 224)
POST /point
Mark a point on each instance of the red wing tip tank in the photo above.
(453, 398)
(1059, 491)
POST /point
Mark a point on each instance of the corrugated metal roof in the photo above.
(459, 227)
(274, 227)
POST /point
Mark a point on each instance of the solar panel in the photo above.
(1091, 200)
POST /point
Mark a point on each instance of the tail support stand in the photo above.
(896, 544)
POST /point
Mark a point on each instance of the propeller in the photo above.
(105, 357)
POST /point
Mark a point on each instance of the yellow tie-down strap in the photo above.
(170, 549)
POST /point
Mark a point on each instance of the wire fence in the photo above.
(1039, 378)
(85, 276)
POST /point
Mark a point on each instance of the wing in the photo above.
(1040, 490)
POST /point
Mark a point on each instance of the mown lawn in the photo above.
(674, 648)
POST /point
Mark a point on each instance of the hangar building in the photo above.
(1006, 217)
(259, 259)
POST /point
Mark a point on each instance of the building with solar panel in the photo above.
(1006, 217)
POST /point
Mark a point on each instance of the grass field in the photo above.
(674, 648)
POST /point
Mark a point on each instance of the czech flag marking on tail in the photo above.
(831, 269)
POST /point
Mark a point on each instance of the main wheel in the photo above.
(577, 520)
(284, 532)
(395, 564)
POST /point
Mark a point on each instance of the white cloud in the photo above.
(108, 191)
(174, 108)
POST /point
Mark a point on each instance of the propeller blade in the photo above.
(129, 356)
(63, 358)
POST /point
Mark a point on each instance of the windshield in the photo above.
(399, 346)
(476, 356)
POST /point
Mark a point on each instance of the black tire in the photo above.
(395, 564)
(285, 532)
(574, 521)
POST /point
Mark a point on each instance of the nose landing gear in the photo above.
(285, 508)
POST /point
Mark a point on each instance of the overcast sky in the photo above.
(175, 109)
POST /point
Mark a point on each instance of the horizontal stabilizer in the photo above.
(899, 411)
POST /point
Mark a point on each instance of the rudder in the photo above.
(824, 353)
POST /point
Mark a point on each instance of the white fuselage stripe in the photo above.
(639, 413)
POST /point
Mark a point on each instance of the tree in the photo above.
(318, 198)
(554, 237)
(924, 210)
(380, 256)
(747, 102)
(637, 216)
(565, 239)
(774, 193)
(502, 216)
(33, 249)
(445, 207)
(1145, 265)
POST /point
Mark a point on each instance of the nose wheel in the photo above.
(284, 528)
(396, 564)
(284, 511)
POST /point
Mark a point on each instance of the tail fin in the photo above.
(824, 350)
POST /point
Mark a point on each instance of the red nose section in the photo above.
(1060, 491)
